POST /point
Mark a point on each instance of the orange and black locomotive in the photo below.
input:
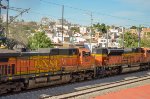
(25, 70)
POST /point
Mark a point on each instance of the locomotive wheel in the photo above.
(3, 90)
(81, 77)
(75, 78)
(18, 86)
(17, 89)
(90, 76)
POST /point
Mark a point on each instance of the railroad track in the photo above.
(38, 92)
(92, 89)
(54, 86)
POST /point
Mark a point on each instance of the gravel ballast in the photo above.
(72, 87)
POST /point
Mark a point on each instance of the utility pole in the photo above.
(1, 13)
(139, 36)
(62, 22)
(7, 18)
(0, 10)
(91, 31)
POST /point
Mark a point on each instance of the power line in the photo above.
(72, 19)
(68, 18)
(96, 20)
(25, 10)
(65, 6)
(95, 12)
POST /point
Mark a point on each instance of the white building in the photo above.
(83, 30)
(58, 27)
(57, 38)
(77, 35)
(102, 42)
(90, 46)
(113, 38)
(77, 38)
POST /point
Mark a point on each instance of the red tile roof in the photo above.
(145, 29)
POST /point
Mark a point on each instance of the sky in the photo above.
(111, 12)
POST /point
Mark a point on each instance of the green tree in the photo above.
(145, 42)
(100, 27)
(75, 29)
(130, 40)
(39, 40)
(133, 27)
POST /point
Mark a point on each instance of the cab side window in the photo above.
(4, 59)
(84, 54)
(148, 51)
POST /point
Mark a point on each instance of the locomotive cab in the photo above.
(146, 54)
(85, 58)
(100, 55)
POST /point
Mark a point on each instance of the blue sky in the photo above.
(117, 12)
